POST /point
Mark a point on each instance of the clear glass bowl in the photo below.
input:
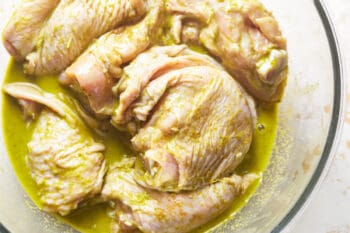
(308, 130)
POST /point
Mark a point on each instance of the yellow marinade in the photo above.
(94, 219)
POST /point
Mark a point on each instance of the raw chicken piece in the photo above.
(243, 35)
(64, 160)
(148, 66)
(93, 74)
(72, 27)
(24, 26)
(30, 95)
(138, 209)
(193, 122)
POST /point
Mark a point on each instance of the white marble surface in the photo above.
(329, 211)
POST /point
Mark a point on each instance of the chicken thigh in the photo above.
(240, 33)
(20, 34)
(94, 73)
(192, 123)
(65, 162)
(69, 30)
(139, 209)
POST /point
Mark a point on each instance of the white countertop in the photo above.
(329, 211)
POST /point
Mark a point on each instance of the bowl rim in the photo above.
(335, 128)
(3, 229)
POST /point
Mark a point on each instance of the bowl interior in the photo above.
(308, 118)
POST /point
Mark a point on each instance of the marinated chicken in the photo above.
(139, 209)
(176, 78)
(95, 71)
(65, 162)
(242, 34)
(192, 122)
(69, 30)
(24, 26)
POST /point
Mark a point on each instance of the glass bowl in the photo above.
(308, 130)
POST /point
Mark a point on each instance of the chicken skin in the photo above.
(243, 35)
(61, 37)
(192, 123)
(94, 73)
(138, 209)
(65, 162)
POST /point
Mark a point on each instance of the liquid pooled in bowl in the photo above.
(94, 219)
